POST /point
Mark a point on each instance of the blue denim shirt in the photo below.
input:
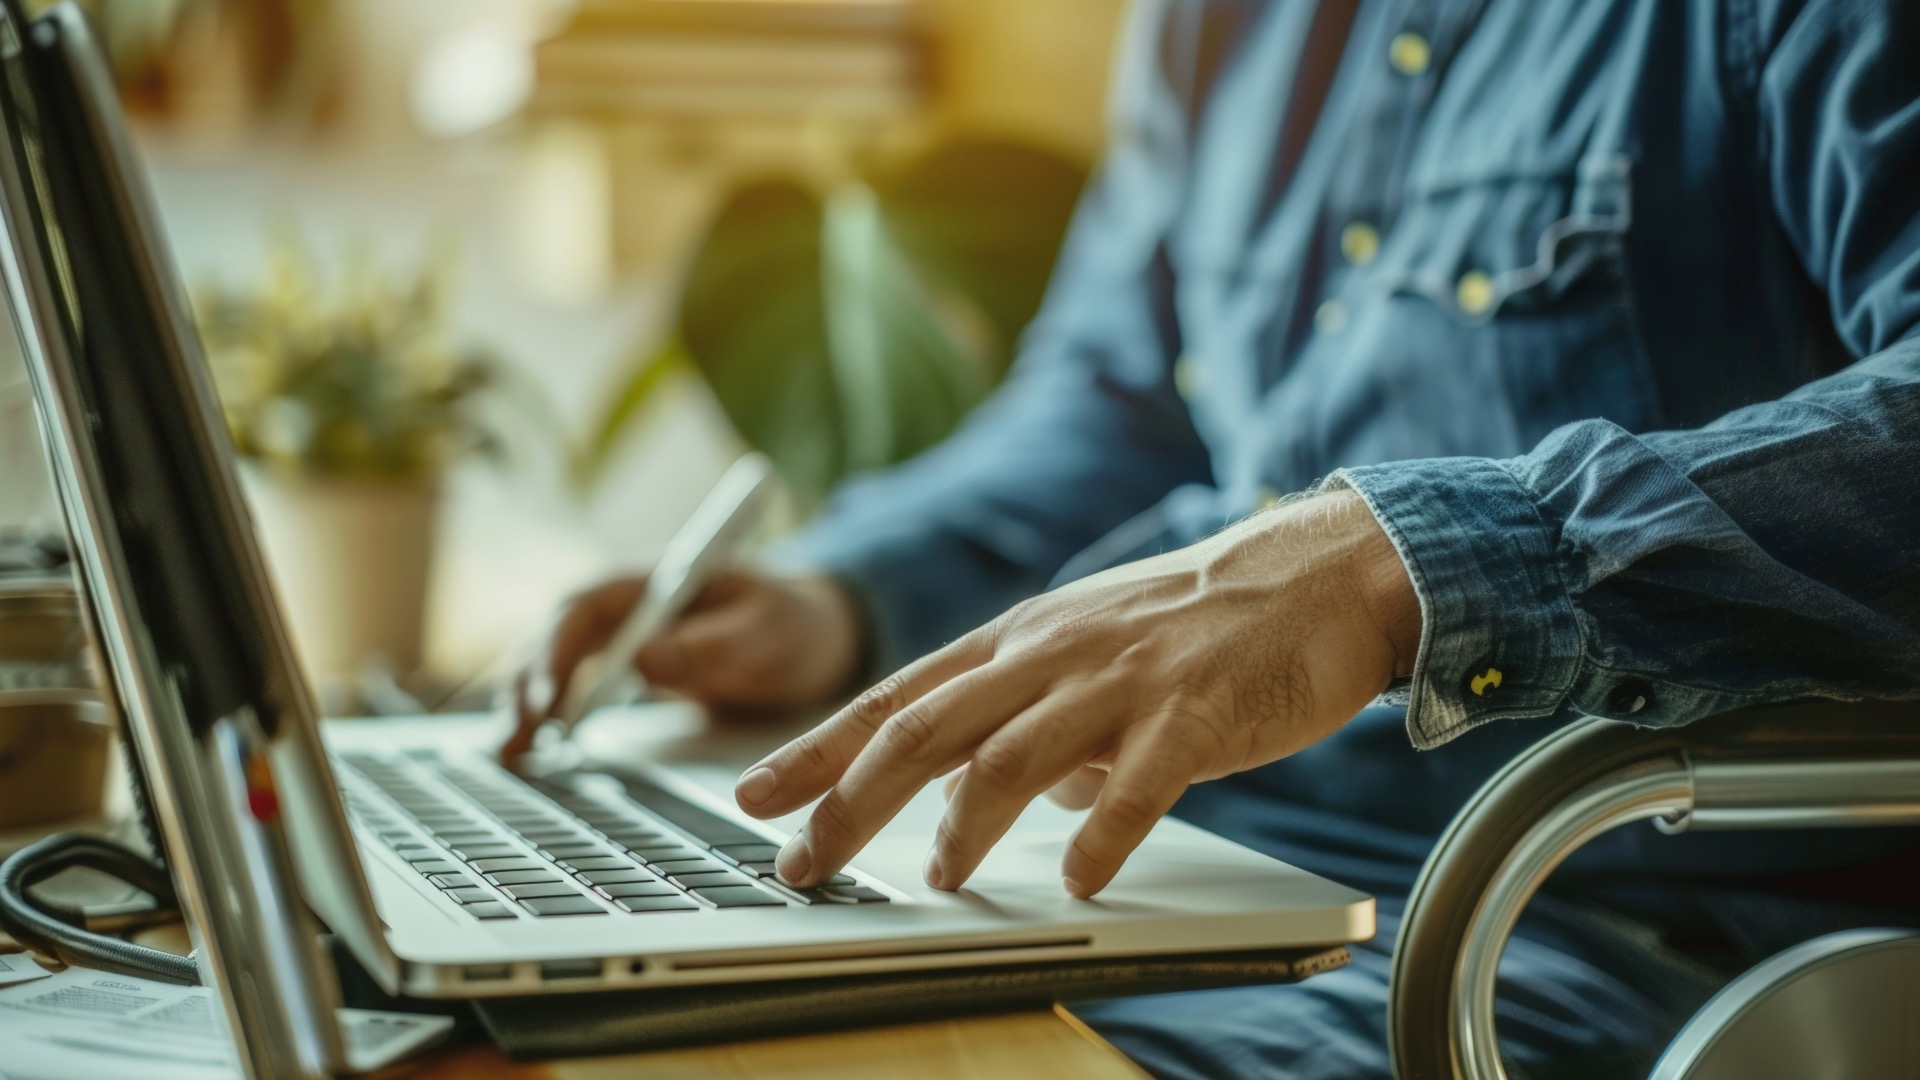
(1609, 308)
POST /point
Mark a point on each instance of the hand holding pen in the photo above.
(697, 627)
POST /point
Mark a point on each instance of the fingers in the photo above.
(800, 771)
(1154, 768)
(582, 629)
(710, 654)
(1077, 792)
(1042, 747)
(921, 741)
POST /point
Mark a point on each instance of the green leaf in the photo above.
(654, 368)
(753, 316)
(853, 332)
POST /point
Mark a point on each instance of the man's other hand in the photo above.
(748, 640)
(1122, 689)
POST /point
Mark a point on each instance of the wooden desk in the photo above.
(1019, 1046)
(1016, 1047)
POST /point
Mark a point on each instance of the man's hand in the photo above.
(1123, 688)
(747, 640)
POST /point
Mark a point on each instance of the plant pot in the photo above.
(351, 561)
(54, 746)
(56, 734)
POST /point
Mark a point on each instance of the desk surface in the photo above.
(1012, 1047)
(1015, 1047)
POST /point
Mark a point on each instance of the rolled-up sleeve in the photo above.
(1772, 554)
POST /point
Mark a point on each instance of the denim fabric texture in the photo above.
(1609, 308)
(1611, 311)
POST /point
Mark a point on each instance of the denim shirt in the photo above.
(1610, 309)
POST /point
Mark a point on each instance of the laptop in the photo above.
(447, 875)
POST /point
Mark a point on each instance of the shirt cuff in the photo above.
(1499, 635)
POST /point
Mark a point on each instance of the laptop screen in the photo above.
(176, 582)
(147, 411)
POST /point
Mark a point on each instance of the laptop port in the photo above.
(487, 973)
(554, 970)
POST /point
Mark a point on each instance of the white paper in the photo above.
(18, 968)
(80, 1024)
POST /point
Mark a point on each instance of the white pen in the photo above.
(705, 546)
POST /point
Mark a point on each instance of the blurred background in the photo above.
(495, 289)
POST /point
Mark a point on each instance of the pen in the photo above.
(706, 545)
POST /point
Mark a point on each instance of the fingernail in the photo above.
(795, 861)
(932, 872)
(756, 787)
(1074, 888)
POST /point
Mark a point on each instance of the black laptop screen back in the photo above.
(146, 415)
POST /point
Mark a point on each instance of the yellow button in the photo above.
(1359, 242)
(1330, 318)
(1474, 293)
(1189, 378)
(1409, 54)
(1267, 498)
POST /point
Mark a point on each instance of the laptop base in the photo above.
(550, 1026)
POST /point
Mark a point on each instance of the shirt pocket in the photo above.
(1530, 272)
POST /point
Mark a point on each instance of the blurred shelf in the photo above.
(735, 58)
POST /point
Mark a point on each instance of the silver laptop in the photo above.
(448, 875)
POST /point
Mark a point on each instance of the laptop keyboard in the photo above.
(502, 847)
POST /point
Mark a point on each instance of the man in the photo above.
(1601, 319)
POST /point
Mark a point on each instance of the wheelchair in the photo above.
(1846, 1005)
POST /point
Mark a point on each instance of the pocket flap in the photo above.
(1478, 247)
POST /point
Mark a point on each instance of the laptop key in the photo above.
(601, 862)
(666, 853)
(487, 851)
(615, 877)
(548, 837)
(837, 879)
(491, 910)
(739, 896)
(677, 867)
(411, 852)
(438, 866)
(473, 895)
(523, 877)
(625, 889)
(640, 905)
(628, 838)
(563, 905)
(464, 837)
(580, 851)
(489, 866)
(748, 853)
(702, 881)
(852, 894)
(534, 892)
(708, 827)
(451, 881)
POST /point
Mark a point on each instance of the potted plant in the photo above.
(850, 328)
(347, 404)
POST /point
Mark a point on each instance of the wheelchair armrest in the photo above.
(1801, 764)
